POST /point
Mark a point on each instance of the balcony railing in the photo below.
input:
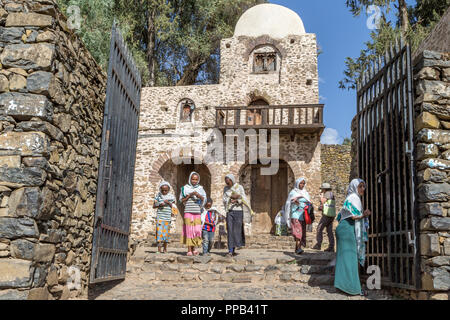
(306, 118)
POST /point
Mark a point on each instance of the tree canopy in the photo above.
(412, 23)
(174, 42)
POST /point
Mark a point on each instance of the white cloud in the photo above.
(321, 80)
(330, 136)
(322, 98)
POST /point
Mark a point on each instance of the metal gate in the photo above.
(386, 162)
(117, 161)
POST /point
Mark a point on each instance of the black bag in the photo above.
(311, 212)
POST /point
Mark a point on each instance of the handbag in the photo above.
(307, 217)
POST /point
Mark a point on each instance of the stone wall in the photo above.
(51, 109)
(438, 39)
(432, 127)
(336, 166)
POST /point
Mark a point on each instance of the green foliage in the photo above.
(96, 21)
(422, 18)
(347, 142)
(173, 42)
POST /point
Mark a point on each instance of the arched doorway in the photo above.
(267, 193)
(256, 116)
(178, 175)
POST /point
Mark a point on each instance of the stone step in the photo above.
(234, 274)
(244, 257)
(237, 268)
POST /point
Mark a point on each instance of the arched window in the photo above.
(265, 62)
(187, 108)
(265, 59)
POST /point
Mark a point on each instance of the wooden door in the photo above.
(268, 195)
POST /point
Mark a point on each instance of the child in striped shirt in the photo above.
(209, 218)
(164, 201)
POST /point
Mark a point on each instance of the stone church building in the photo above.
(268, 80)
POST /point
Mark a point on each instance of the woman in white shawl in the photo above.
(294, 210)
(351, 235)
(164, 201)
(238, 210)
(193, 196)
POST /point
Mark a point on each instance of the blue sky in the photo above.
(340, 35)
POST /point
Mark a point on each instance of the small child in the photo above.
(164, 202)
(210, 218)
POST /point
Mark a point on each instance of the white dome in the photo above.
(269, 19)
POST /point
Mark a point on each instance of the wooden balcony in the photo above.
(287, 118)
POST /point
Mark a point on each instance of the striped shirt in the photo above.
(210, 218)
(164, 213)
(192, 206)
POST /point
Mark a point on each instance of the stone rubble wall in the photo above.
(432, 143)
(336, 165)
(51, 109)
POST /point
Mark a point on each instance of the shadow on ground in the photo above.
(98, 289)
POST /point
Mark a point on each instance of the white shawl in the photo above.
(189, 188)
(295, 194)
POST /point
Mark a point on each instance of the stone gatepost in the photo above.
(51, 108)
(432, 126)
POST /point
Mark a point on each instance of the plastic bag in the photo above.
(280, 225)
(174, 210)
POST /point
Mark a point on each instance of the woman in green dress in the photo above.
(351, 235)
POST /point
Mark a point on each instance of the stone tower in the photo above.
(268, 80)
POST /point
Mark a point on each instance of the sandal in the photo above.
(189, 253)
(196, 253)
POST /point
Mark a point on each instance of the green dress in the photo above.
(346, 276)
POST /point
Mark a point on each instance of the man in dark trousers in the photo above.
(328, 208)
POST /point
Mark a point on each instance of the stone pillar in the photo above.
(51, 108)
(432, 130)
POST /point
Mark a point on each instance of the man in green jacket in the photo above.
(328, 208)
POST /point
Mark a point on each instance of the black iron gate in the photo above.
(386, 163)
(117, 161)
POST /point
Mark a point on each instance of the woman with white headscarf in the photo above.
(193, 196)
(294, 213)
(164, 201)
(351, 235)
(237, 208)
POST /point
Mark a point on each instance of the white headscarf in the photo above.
(169, 196)
(238, 189)
(361, 225)
(294, 195)
(189, 188)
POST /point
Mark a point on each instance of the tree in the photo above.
(413, 24)
(95, 27)
(347, 142)
(173, 42)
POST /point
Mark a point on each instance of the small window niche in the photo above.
(265, 62)
(187, 108)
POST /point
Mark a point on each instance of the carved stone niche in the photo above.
(187, 108)
(265, 59)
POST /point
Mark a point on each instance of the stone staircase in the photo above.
(251, 265)
(259, 241)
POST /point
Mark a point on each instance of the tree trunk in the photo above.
(403, 15)
(151, 47)
(190, 73)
